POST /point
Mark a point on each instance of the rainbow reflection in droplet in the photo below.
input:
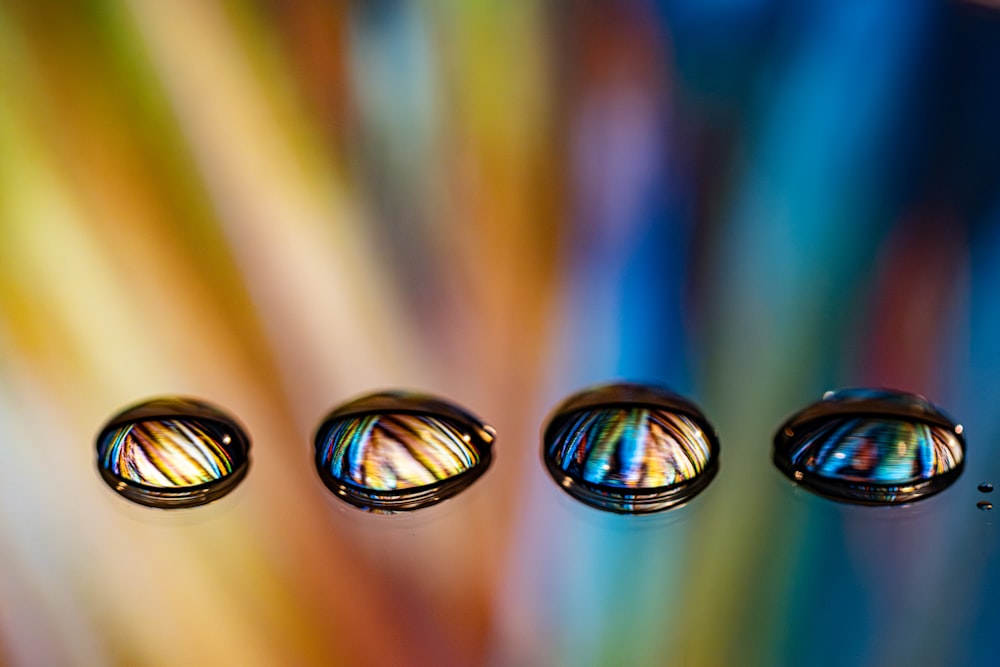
(646, 451)
(387, 452)
(878, 451)
(399, 451)
(172, 452)
(167, 453)
(634, 448)
(871, 446)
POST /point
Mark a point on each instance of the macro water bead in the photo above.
(398, 451)
(871, 446)
(630, 448)
(172, 452)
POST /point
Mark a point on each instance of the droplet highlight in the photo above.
(985, 487)
(172, 452)
(984, 505)
(870, 446)
(398, 451)
(630, 449)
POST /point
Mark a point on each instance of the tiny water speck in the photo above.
(985, 487)
(984, 505)
(172, 452)
(396, 451)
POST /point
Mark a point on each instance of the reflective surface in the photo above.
(400, 451)
(630, 448)
(871, 446)
(172, 452)
(278, 205)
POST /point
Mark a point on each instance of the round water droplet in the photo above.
(984, 505)
(871, 446)
(172, 452)
(397, 451)
(985, 487)
(630, 448)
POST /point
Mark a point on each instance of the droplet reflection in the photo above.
(172, 452)
(630, 448)
(397, 451)
(985, 487)
(871, 446)
(984, 505)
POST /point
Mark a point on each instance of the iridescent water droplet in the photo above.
(871, 446)
(985, 487)
(984, 505)
(630, 448)
(172, 452)
(397, 451)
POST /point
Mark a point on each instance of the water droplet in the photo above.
(397, 451)
(985, 487)
(871, 446)
(630, 448)
(984, 505)
(172, 452)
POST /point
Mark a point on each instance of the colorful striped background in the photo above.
(278, 206)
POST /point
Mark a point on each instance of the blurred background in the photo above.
(277, 206)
